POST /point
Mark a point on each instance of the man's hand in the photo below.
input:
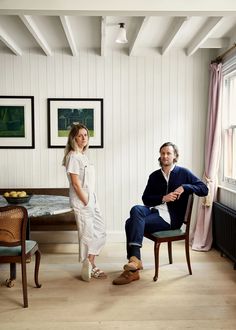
(179, 191)
(171, 197)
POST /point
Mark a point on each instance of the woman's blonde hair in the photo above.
(71, 142)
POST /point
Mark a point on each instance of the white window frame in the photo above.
(228, 131)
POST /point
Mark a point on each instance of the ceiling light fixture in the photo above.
(121, 38)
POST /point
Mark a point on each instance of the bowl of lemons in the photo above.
(17, 197)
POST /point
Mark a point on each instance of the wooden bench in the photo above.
(58, 222)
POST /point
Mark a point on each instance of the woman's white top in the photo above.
(78, 163)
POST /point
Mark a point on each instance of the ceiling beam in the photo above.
(69, 35)
(203, 34)
(103, 36)
(216, 43)
(138, 31)
(175, 28)
(4, 37)
(34, 30)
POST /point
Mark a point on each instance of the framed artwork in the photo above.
(62, 113)
(17, 122)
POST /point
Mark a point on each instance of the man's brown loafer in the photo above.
(126, 277)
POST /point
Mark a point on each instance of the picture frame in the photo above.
(63, 112)
(17, 122)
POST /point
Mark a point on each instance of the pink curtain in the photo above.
(202, 236)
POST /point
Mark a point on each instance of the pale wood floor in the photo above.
(205, 300)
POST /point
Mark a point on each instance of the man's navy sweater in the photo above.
(157, 187)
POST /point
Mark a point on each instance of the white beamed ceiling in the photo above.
(152, 26)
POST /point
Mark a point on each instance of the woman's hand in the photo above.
(86, 199)
(82, 195)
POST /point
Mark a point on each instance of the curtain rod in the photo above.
(219, 58)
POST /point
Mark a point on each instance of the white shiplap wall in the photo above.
(147, 101)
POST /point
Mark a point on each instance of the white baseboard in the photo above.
(71, 237)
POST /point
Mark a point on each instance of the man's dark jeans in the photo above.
(142, 219)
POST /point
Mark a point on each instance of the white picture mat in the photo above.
(19, 141)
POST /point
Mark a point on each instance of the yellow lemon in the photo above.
(6, 194)
(21, 194)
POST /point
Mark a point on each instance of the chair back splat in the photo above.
(170, 236)
(14, 248)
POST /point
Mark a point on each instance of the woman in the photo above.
(91, 227)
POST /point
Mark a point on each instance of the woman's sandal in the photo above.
(86, 270)
(97, 273)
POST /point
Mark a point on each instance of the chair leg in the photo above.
(188, 256)
(36, 269)
(24, 283)
(11, 281)
(170, 252)
(12, 271)
(156, 256)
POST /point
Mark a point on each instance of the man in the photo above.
(165, 201)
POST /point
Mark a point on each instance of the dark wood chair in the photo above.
(170, 236)
(14, 248)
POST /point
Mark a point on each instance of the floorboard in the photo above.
(205, 300)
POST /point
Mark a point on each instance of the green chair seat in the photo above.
(168, 233)
(16, 250)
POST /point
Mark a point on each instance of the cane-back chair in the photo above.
(14, 248)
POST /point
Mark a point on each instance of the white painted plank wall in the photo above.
(147, 101)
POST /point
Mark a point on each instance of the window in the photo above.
(229, 126)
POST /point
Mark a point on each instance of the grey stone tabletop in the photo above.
(40, 205)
